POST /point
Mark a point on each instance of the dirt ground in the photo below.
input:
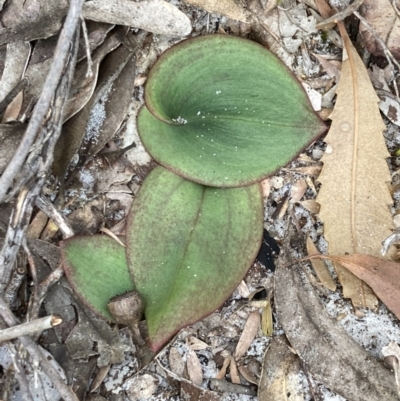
(282, 335)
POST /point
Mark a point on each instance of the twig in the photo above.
(389, 56)
(341, 15)
(16, 231)
(30, 328)
(65, 391)
(19, 373)
(41, 291)
(52, 213)
(42, 106)
(89, 71)
(17, 277)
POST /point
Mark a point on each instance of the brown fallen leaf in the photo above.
(32, 20)
(14, 66)
(382, 275)
(176, 363)
(385, 21)
(354, 197)
(221, 374)
(329, 353)
(320, 267)
(157, 16)
(195, 344)
(191, 392)
(280, 373)
(297, 191)
(248, 334)
(233, 370)
(267, 323)
(311, 205)
(194, 368)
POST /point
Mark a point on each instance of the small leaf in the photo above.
(248, 335)
(354, 195)
(96, 268)
(188, 247)
(233, 115)
(382, 275)
(320, 267)
(194, 368)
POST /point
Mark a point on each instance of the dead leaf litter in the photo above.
(225, 355)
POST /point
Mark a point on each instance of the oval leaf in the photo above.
(97, 270)
(224, 111)
(188, 247)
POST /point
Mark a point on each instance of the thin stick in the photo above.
(52, 213)
(89, 71)
(19, 373)
(14, 92)
(41, 290)
(53, 77)
(33, 327)
(17, 277)
(341, 15)
(65, 391)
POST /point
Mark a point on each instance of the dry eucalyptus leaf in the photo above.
(311, 205)
(354, 197)
(221, 374)
(297, 191)
(191, 392)
(385, 21)
(229, 8)
(155, 16)
(382, 275)
(14, 67)
(329, 353)
(13, 109)
(194, 368)
(31, 20)
(330, 68)
(195, 344)
(320, 267)
(176, 363)
(267, 323)
(83, 84)
(248, 335)
(233, 370)
(391, 350)
(91, 330)
(74, 129)
(280, 373)
(112, 110)
(38, 68)
(249, 376)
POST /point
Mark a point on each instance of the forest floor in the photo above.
(282, 334)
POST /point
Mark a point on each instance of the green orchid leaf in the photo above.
(97, 270)
(188, 247)
(224, 111)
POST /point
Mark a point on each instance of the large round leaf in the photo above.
(97, 269)
(188, 247)
(224, 111)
